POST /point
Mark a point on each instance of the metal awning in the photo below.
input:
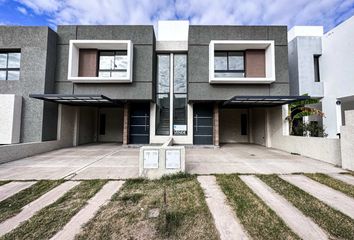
(77, 99)
(262, 101)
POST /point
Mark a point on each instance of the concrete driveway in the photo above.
(112, 161)
(96, 161)
(252, 159)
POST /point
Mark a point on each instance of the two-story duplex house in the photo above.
(197, 84)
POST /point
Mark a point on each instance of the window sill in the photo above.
(241, 80)
(99, 80)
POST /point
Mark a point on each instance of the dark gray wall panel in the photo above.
(36, 45)
(198, 61)
(206, 91)
(130, 91)
(138, 34)
(204, 34)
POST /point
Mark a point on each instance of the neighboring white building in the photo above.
(322, 65)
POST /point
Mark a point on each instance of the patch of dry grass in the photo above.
(333, 183)
(13, 205)
(185, 216)
(258, 219)
(337, 224)
(4, 182)
(49, 220)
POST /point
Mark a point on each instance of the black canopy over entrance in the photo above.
(78, 99)
(262, 101)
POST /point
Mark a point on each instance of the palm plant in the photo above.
(300, 109)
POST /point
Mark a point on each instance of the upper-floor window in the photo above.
(316, 60)
(10, 65)
(100, 61)
(229, 64)
(241, 61)
(113, 64)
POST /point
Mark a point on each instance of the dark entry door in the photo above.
(139, 129)
(202, 124)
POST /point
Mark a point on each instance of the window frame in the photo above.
(114, 55)
(228, 70)
(7, 69)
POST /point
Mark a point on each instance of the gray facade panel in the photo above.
(137, 34)
(293, 68)
(198, 64)
(126, 91)
(202, 35)
(66, 33)
(61, 73)
(281, 64)
(279, 34)
(208, 92)
(198, 61)
(35, 44)
(143, 61)
(279, 89)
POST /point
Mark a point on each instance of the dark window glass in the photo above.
(229, 64)
(180, 73)
(102, 124)
(180, 114)
(163, 114)
(316, 59)
(220, 61)
(243, 124)
(113, 64)
(163, 95)
(180, 94)
(163, 73)
(10, 65)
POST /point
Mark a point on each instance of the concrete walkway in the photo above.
(303, 226)
(12, 188)
(225, 220)
(32, 208)
(343, 177)
(101, 198)
(333, 198)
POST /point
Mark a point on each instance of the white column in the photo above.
(171, 94)
(285, 123)
(339, 116)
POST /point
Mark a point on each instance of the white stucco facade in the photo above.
(336, 69)
(10, 118)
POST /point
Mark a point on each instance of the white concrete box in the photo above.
(10, 118)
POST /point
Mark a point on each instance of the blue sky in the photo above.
(327, 13)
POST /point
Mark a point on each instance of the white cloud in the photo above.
(251, 12)
(22, 10)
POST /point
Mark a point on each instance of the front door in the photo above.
(139, 130)
(202, 124)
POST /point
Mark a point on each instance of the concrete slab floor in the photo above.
(113, 161)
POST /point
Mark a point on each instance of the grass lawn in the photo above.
(334, 222)
(333, 183)
(52, 218)
(13, 205)
(129, 215)
(3, 182)
(258, 219)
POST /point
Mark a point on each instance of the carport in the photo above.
(244, 119)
